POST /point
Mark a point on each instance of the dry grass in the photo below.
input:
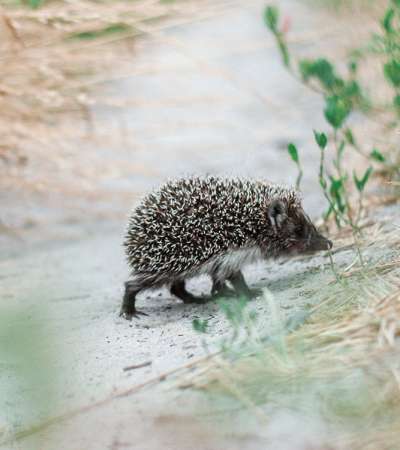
(342, 364)
(373, 7)
(52, 56)
(56, 64)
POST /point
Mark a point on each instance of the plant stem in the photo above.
(299, 176)
(339, 169)
(360, 206)
(358, 249)
(333, 268)
(322, 181)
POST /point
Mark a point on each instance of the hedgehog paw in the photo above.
(195, 300)
(225, 292)
(130, 315)
(255, 292)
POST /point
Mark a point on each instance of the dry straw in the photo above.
(52, 56)
(343, 363)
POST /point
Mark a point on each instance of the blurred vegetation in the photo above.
(338, 361)
(52, 55)
(27, 390)
(344, 94)
(345, 5)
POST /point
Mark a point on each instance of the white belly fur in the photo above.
(223, 266)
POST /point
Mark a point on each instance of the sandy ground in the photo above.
(87, 347)
(206, 97)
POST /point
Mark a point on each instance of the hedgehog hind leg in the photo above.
(241, 288)
(128, 308)
(179, 290)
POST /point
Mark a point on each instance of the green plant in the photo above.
(34, 3)
(200, 325)
(343, 95)
(112, 29)
(271, 19)
(244, 328)
(28, 367)
(294, 154)
(328, 361)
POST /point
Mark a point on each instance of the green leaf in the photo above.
(377, 156)
(306, 69)
(321, 69)
(336, 111)
(328, 213)
(353, 66)
(336, 185)
(396, 103)
(200, 325)
(294, 154)
(34, 3)
(348, 134)
(336, 190)
(233, 310)
(320, 139)
(360, 183)
(271, 17)
(392, 72)
(387, 20)
(351, 90)
(94, 34)
(283, 50)
(340, 151)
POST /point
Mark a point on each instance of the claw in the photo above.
(225, 292)
(256, 292)
(130, 315)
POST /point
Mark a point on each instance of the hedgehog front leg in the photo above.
(179, 290)
(128, 309)
(220, 288)
(239, 283)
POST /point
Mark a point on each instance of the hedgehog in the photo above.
(215, 226)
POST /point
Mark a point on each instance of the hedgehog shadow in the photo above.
(163, 308)
(278, 282)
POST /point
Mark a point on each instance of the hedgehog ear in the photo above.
(277, 213)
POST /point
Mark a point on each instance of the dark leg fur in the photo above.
(128, 309)
(179, 290)
(220, 289)
(240, 286)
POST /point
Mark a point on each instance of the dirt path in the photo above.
(206, 97)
